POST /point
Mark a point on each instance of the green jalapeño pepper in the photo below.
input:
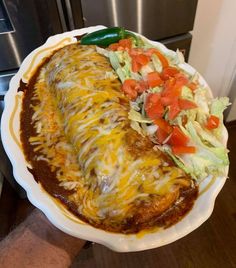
(107, 36)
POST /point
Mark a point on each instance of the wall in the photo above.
(213, 51)
(231, 113)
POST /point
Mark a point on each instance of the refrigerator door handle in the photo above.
(61, 15)
(70, 15)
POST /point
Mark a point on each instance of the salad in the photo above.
(171, 106)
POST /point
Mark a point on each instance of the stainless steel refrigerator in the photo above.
(26, 24)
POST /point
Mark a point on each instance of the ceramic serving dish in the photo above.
(55, 212)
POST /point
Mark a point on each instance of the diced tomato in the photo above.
(169, 84)
(183, 149)
(169, 72)
(154, 79)
(114, 46)
(138, 61)
(142, 86)
(130, 82)
(136, 66)
(174, 109)
(181, 79)
(186, 104)
(160, 56)
(129, 88)
(163, 124)
(150, 51)
(135, 51)
(171, 89)
(132, 87)
(122, 45)
(192, 86)
(153, 106)
(178, 138)
(173, 86)
(212, 122)
(162, 59)
(125, 43)
(153, 98)
(142, 59)
(161, 135)
(155, 111)
(166, 101)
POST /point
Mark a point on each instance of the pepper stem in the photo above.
(134, 36)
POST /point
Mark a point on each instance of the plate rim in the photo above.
(42, 200)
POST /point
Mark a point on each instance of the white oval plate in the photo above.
(55, 213)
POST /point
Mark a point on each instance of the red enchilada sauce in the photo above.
(47, 179)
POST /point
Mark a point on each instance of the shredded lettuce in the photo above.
(218, 106)
(136, 116)
(114, 60)
(211, 155)
(121, 62)
(146, 69)
(207, 160)
(195, 77)
(166, 149)
(123, 73)
(206, 136)
(180, 56)
(156, 63)
(201, 99)
(187, 93)
(174, 58)
(135, 125)
(155, 90)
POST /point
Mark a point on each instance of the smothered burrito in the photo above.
(76, 135)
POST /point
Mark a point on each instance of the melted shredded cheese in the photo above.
(81, 131)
